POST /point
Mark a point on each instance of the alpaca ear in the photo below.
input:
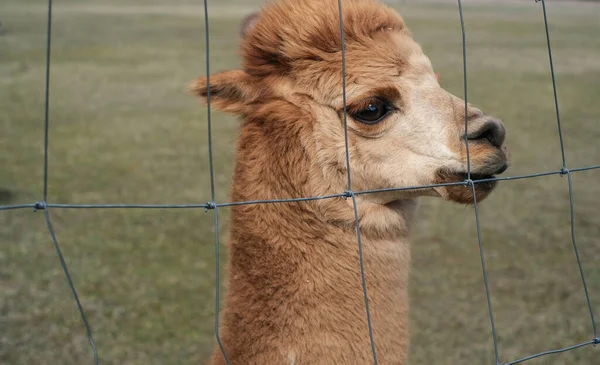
(230, 91)
(248, 23)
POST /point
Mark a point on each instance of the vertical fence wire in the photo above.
(47, 97)
(43, 205)
(465, 85)
(485, 277)
(212, 205)
(576, 250)
(472, 185)
(217, 287)
(63, 264)
(349, 193)
(560, 134)
(566, 171)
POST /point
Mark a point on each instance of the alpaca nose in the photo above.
(490, 129)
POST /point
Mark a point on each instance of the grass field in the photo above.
(123, 130)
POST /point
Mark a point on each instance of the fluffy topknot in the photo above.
(289, 33)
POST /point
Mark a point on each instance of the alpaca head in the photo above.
(404, 129)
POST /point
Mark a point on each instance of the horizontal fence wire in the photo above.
(288, 200)
(594, 342)
(213, 205)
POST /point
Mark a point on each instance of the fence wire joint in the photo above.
(41, 205)
(210, 206)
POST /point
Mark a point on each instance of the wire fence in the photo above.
(348, 194)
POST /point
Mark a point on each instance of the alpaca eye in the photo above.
(374, 113)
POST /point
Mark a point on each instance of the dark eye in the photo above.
(375, 112)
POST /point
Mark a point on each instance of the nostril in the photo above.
(492, 131)
(489, 134)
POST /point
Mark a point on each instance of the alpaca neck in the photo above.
(295, 283)
(295, 293)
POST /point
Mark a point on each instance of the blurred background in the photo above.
(124, 130)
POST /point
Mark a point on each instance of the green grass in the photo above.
(123, 130)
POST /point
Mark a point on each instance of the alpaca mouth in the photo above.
(484, 182)
(475, 175)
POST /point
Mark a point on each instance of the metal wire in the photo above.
(43, 204)
(566, 171)
(585, 168)
(71, 285)
(470, 182)
(291, 200)
(15, 207)
(560, 134)
(465, 86)
(218, 286)
(485, 277)
(349, 192)
(574, 241)
(212, 205)
(592, 342)
(47, 96)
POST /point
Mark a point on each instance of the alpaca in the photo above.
(294, 284)
(248, 23)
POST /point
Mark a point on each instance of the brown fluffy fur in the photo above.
(294, 286)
